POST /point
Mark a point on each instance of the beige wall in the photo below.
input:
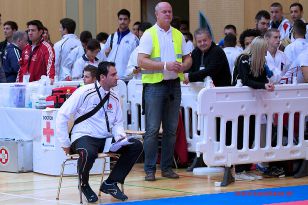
(106, 12)
(251, 8)
(241, 13)
(219, 13)
(22, 11)
(51, 11)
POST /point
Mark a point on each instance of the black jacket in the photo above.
(244, 73)
(215, 63)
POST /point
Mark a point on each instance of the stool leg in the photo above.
(60, 180)
(79, 185)
(103, 172)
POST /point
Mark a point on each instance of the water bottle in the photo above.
(48, 87)
(19, 100)
(208, 83)
(238, 83)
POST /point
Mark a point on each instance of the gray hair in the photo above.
(201, 31)
(18, 35)
(158, 5)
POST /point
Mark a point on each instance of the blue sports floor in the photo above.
(295, 194)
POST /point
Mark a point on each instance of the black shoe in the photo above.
(275, 172)
(170, 174)
(89, 193)
(149, 176)
(113, 190)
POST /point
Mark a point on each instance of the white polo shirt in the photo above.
(278, 64)
(295, 68)
(232, 53)
(303, 58)
(293, 50)
(166, 48)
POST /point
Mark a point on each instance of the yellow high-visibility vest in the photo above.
(156, 76)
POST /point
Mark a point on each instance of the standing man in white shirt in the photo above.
(230, 50)
(294, 49)
(88, 137)
(163, 57)
(278, 20)
(121, 44)
(63, 47)
(276, 60)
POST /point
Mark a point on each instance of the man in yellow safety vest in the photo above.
(163, 56)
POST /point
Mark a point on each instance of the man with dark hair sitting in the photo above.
(89, 136)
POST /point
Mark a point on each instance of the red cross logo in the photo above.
(48, 132)
(4, 155)
(109, 107)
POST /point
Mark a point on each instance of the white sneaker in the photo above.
(257, 177)
(243, 176)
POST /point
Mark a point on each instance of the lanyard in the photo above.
(106, 116)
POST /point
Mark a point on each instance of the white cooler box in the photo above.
(16, 156)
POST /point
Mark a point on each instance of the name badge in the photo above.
(202, 67)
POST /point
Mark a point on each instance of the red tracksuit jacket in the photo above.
(40, 61)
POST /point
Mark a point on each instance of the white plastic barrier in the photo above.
(121, 89)
(229, 103)
(188, 103)
(134, 91)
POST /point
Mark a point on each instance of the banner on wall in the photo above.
(204, 23)
(48, 139)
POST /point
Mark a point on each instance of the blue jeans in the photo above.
(162, 105)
